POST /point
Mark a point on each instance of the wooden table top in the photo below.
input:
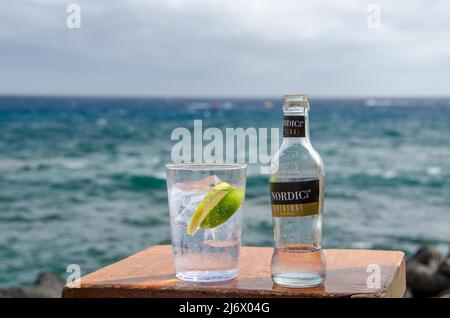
(150, 273)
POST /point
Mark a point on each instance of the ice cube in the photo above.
(226, 232)
(184, 216)
(185, 198)
(215, 235)
(203, 185)
(186, 202)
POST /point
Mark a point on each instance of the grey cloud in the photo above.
(200, 47)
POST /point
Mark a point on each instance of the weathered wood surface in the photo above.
(150, 273)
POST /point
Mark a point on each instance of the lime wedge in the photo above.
(219, 204)
(211, 199)
(223, 210)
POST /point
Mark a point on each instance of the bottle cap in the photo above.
(295, 100)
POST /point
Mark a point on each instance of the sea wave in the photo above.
(390, 179)
(432, 177)
(31, 219)
(35, 164)
(405, 102)
(144, 222)
(139, 182)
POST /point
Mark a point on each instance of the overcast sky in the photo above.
(226, 48)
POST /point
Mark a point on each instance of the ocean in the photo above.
(82, 179)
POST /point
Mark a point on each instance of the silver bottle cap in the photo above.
(292, 101)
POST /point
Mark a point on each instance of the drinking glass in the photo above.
(211, 253)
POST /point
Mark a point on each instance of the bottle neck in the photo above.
(296, 126)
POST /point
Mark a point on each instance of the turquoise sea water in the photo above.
(82, 179)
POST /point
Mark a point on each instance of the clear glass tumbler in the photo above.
(205, 204)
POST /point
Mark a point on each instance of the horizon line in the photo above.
(217, 97)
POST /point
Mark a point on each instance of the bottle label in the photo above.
(291, 199)
(294, 126)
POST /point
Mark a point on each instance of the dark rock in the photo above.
(426, 256)
(427, 273)
(408, 293)
(444, 267)
(445, 293)
(47, 285)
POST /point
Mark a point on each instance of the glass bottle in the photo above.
(297, 193)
